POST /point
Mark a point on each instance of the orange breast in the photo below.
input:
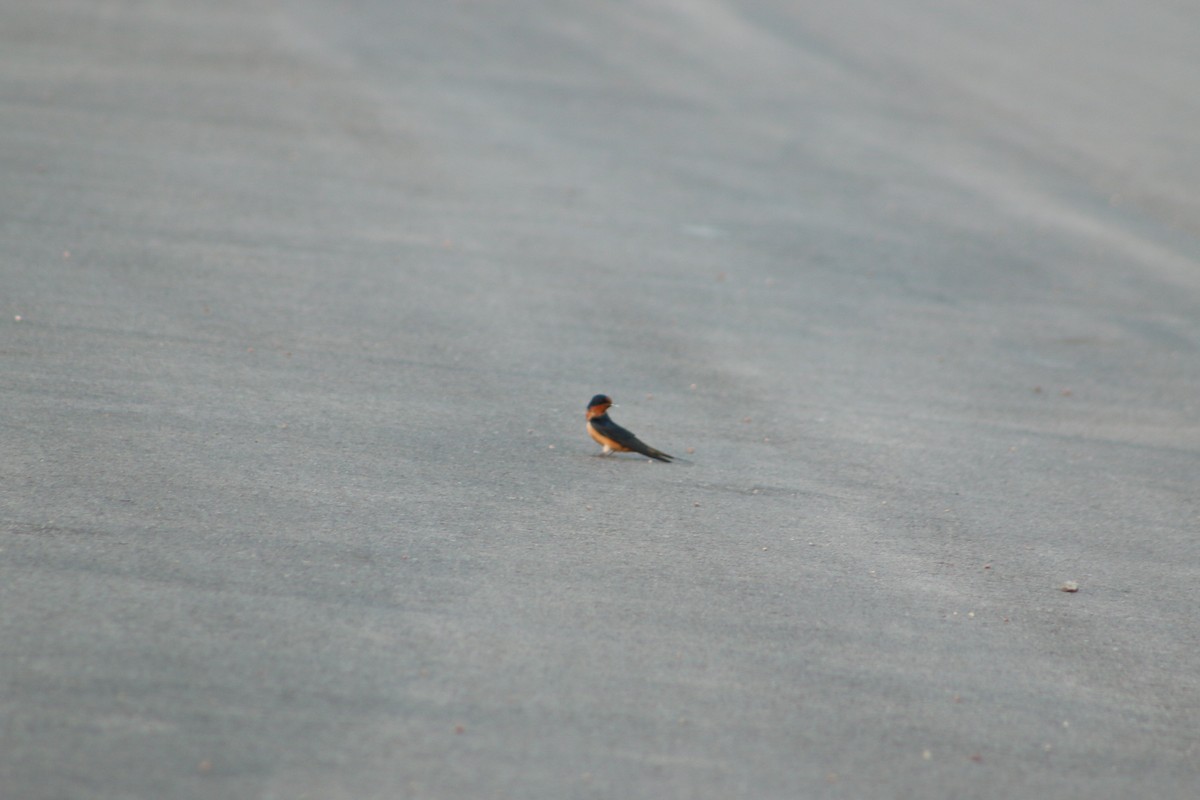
(605, 441)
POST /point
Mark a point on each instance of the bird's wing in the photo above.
(611, 430)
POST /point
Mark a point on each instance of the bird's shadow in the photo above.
(631, 458)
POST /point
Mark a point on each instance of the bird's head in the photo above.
(598, 405)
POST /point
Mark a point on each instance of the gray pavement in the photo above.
(301, 303)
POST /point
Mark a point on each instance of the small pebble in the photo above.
(1069, 586)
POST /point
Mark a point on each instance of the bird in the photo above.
(611, 436)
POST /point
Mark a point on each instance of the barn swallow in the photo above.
(611, 436)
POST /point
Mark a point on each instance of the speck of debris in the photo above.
(1069, 586)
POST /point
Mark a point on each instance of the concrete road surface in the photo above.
(301, 303)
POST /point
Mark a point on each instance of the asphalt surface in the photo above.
(301, 303)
